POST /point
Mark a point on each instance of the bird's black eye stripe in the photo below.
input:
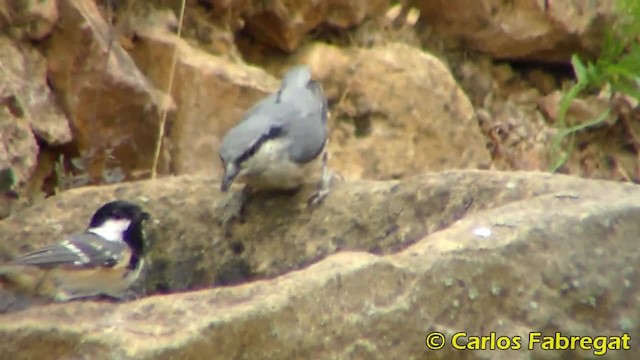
(274, 132)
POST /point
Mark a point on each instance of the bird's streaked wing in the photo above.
(82, 250)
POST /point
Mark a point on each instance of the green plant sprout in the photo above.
(617, 67)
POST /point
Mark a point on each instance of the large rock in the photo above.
(540, 30)
(189, 248)
(211, 94)
(478, 252)
(115, 111)
(396, 111)
(23, 78)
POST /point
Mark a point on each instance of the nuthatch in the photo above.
(280, 139)
(105, 259)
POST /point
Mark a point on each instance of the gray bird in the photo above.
(280, 139)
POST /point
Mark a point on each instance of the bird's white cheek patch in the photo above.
(111, 229)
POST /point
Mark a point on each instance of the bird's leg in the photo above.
(324, 184)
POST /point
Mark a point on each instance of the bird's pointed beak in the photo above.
(230, 173)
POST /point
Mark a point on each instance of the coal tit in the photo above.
(105, 259)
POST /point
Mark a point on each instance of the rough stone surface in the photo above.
(283, 24)
(348, 13)
(395, 111)
(30, 19)
(23, 82)
(25, 103)
(114, 110)
(211, 94)
(479, 252)
(18, 147)
(519, 134)
(280, 233)
(540, 30)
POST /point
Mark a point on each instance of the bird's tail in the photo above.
(16, 289)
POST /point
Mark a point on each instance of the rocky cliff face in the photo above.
(425, 232)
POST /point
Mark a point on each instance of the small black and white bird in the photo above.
(280, 142)
(105, 259)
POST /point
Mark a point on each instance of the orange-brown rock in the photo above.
(28, 109)
(396, 111)
(211, 94)
(383, 126)
(284, 24)
(114, 110)
(540, 30)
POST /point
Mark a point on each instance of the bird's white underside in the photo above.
(270, 168)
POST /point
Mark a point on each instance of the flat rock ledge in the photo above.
(366, 275)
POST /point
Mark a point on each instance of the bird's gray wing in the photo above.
(295, 80)
(296, 113)
(305, 117)
(259, 107)
(82, 250)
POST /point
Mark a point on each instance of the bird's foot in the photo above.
(317, 198)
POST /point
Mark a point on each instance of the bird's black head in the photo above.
(114, 213)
